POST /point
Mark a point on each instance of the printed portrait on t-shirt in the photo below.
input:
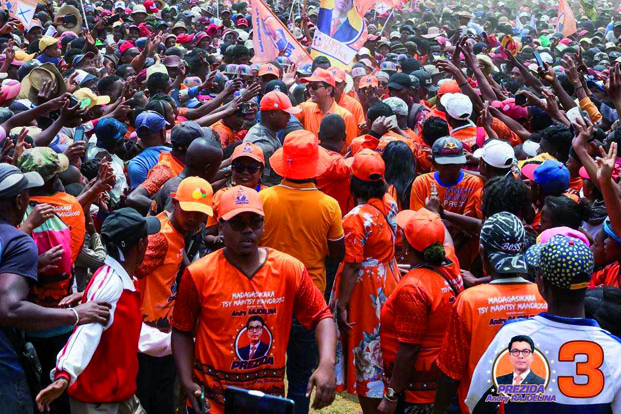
(522, 366)
(254, 341)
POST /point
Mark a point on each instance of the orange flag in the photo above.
(271, 38)
(566, 19)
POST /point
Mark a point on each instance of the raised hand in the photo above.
(251, 91)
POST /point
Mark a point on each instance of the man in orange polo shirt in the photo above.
(322, 88)
(304, 222)
(169, 165)
(346, 101)
(238, 303)
(158, 287)
(480, 311)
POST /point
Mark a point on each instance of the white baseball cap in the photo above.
(457, 105)
(497, 153)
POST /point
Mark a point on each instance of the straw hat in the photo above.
(68, 10)
(32, 83)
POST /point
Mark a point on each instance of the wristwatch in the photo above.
(391, 395)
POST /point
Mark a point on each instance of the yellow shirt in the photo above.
(299, 220)
(311, 117)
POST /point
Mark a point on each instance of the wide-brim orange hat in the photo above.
(249, 150)
(300, 157)
(422, 228)
(367, 165)
(239, 199)
(320, 75)
(194, 194)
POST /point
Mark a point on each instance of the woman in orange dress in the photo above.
(365, 279)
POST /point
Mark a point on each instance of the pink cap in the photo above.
(546, 235)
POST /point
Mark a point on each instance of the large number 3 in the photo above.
(588, 368)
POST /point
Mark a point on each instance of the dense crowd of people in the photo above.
(434, 228)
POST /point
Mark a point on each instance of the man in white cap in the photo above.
(458, 112)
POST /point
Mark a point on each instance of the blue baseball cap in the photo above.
(553, 177)
(149, 122)
(110, 129)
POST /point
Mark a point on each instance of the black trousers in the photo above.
(156, 384)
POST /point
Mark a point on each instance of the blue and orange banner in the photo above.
(271, 38)
(341, 30)
(24, 10)
(566, 19)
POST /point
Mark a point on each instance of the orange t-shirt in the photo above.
(311, 117)
(158, 274)
(355, 107)
(219, 302)
(415, 313)
(70, 211)
(467, 134)
(461, 198)
(608, 276)
(478, 314)
(299, 220)
(335, 182)
(167, 167)
(227, 135)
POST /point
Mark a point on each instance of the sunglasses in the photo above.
(237, 224)
(240, 168)
(315, 86)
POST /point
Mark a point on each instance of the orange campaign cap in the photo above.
(194, 194)
(278, 101)
(367, 165)
(300, 157)
(339, 74)
(250, 150)
(359, 143)
(320, 75)
(269, 69)
(239, 199)
(422, 228)
(368, 82)
(450, 86)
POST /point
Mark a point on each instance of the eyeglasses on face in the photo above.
(315, 86)
(240, 168)
(524, 352)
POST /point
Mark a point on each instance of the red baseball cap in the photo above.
(422, 228)
(320, 75)
(250, 150)
(269, 69)
(278, 101)
(367, 165)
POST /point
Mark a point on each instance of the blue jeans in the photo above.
(302, 359)
(15, 396)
